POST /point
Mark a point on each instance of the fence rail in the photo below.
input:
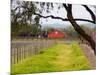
(23, 49)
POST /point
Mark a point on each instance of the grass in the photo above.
(60, 57)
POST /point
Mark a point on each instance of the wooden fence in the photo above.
(23, 49)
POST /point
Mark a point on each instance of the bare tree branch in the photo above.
(78, 28)
(91, 13)
(63, 19)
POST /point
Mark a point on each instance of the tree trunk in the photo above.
(78, 28)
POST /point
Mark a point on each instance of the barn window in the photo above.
(56, 32)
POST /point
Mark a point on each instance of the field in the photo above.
(60, 57)
(52, 37)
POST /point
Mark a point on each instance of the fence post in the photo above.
(17, 55)
(24, 51)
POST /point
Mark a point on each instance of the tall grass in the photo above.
(60, 57)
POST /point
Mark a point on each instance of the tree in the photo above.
(68, 8)
(48, 7)
(22, 22)
(70, 33)
(78, 28)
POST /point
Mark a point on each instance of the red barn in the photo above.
(56, 34)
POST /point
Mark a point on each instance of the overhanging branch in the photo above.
(91, 13)
(53, 17)
(63, 19)
(78, 28)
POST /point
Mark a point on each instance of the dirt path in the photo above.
(89, 54)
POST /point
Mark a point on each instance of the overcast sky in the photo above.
(78, 12)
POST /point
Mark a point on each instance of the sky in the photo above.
(78, 12)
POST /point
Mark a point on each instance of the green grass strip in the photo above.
(60, 57)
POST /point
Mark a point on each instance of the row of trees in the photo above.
(24, 11)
